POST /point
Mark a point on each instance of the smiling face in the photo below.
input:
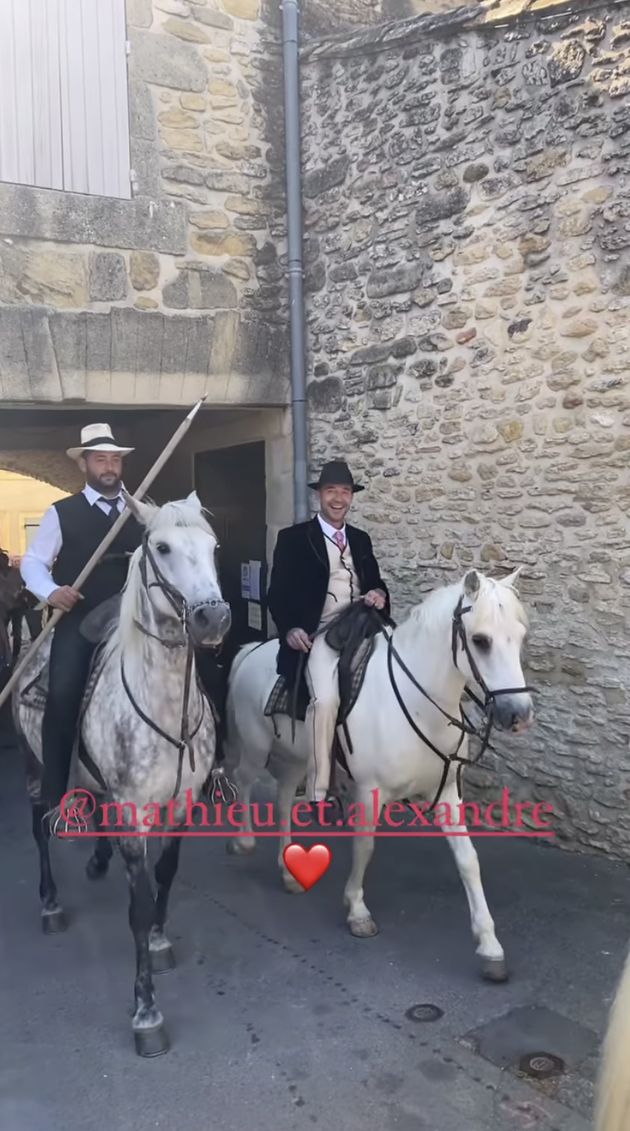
(335, 501)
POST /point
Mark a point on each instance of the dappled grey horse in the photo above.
(147, 737)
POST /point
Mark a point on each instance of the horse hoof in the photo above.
(54, 922)
(95, 869)
(239, 848)
(494, 969)
(162, 959)
(151, 1042)
(292, 886)
(363, 928)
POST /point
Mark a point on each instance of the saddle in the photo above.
(352, 634)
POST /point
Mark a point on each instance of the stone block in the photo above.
(141, 112)
(214, 19)
(184, 174)
(195, 102)
(242, 9)
(166, 61)
(186, 30)
(108, 277)
(72, 218)
(325, 395)
(144, 269)
(69, 338)
(139, 13)
(321, 180)
(223, 243)
(210, 220)
(188, 141)
(203, 289)
(178, 120)
(47, 277)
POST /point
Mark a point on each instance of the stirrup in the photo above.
(64, 819)
(221, 787)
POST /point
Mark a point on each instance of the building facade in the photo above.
(467, 295)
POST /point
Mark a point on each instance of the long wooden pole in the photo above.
(107, 540)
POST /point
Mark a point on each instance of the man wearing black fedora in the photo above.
(69, 533)
(319, 567)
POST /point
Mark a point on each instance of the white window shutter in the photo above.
(64, 111)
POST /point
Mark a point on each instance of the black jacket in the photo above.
(299, 582)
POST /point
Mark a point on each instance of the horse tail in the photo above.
(612, 1111)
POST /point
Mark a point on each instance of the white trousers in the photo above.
(322, 679)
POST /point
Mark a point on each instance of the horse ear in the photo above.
(472, 585)
(193, 501)
(510, 580)
(140, 511)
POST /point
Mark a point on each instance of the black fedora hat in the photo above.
(336, 473)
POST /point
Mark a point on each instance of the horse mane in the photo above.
(490, 601)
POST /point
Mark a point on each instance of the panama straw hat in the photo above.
(97, 438)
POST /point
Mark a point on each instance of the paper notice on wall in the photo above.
(245, 582)
(254, 615)
(254, 580)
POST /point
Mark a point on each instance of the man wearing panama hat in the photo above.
(320, 566)
(69, 533)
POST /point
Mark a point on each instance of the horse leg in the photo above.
(161, 951)
(254, 747)
(148, 1023)
(490, 951)
(360, 921)
(98, 863)
(53, 916)
(288, 780)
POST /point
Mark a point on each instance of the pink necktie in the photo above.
(340, 540)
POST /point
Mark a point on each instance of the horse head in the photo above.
(176, 567)
(489, 628)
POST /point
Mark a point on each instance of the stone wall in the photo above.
(467, 195)
(181, 287)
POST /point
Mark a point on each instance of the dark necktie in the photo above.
(113, 508)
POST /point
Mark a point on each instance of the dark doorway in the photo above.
(231, 483)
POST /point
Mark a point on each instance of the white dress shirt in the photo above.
(44, 549)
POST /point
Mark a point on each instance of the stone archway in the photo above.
(48, 466)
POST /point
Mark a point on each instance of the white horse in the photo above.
(612, 1106)
(147, 733)
(468, 633)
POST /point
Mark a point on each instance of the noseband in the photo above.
(176, 600)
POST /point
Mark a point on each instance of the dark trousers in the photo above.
(70, 656)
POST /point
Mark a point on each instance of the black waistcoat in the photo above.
(83, 527)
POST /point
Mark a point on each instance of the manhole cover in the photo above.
(424, 1012)
(541, 1065)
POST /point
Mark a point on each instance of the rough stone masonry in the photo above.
(467, 192)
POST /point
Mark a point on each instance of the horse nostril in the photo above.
(201, 618)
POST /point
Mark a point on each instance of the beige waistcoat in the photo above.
(343, 583)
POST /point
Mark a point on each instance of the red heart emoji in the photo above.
(307, 867)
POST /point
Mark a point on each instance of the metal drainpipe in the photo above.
(290, 41)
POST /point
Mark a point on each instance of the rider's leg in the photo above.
(321, 674)
(70, 657)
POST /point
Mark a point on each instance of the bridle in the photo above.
(463, 724)
(183, 611)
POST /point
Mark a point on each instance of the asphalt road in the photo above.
(279, 1019)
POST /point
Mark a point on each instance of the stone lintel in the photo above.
(61, 217)
(129, 357)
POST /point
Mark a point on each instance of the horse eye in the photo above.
(483, 643)
(163, 548)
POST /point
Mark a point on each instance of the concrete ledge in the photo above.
(64, 217)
